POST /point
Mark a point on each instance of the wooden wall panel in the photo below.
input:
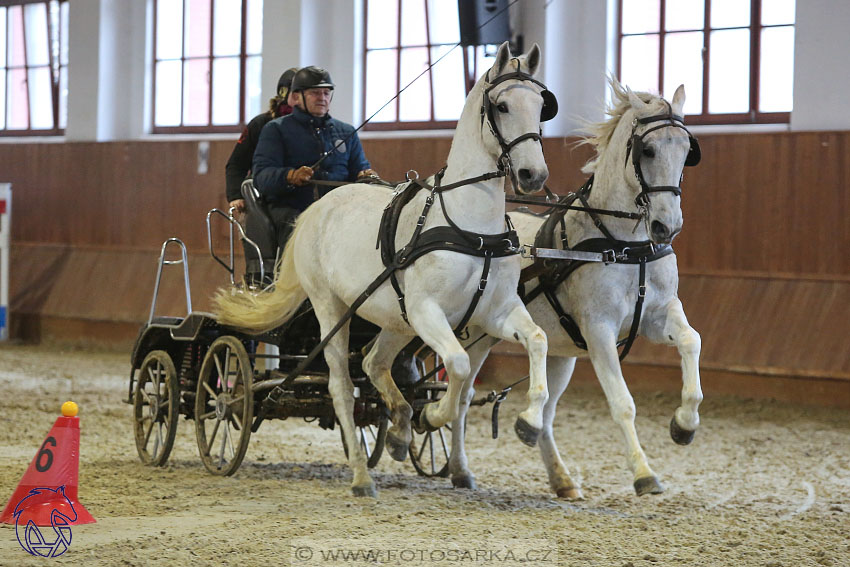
(763, 251)
(115, 195)
(768, 203)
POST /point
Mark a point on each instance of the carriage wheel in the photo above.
(224, 406)
(372, 440)
(430, 450)
(155, 408)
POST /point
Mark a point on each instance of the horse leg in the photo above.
(430, 323)
(519, 327)
(377, 365)
(459, 471)
(329, 312)
(685, 420)
(559, 371)
(602, 347)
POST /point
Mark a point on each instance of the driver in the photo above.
(305, 145)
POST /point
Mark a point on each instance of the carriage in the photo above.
(218, 376)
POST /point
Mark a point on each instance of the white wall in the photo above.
(281, 42)
(821, 76)
(83, 70)
(109, 83)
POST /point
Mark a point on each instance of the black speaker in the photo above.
(484, 22)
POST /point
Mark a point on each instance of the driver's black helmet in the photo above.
(311, 78)
(283, 84)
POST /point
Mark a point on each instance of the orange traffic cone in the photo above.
(50, 483)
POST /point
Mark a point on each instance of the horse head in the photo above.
(652, 147)
(513, 104)
(644, 148)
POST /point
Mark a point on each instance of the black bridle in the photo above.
(635, 147)
(547, 112)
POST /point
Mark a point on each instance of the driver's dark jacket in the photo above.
(298, 139)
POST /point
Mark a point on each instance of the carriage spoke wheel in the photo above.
(155, 408)
(430, 450)
(372, 439)
(224, 405)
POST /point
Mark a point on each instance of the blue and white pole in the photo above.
(5, 250)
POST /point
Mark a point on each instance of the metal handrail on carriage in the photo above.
(163, 262)
(244, 237)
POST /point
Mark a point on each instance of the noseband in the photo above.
(549, 110)
(635, 147)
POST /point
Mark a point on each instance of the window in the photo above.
(735, 58)
(207, 64)
(33, 67)
(403, 38)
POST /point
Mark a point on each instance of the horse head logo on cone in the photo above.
(31, 539)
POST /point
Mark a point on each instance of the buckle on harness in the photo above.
(526, 251)
(510, 246)
(642, 291)
(480, 243)
(609, 256)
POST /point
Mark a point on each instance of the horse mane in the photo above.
(599, 134)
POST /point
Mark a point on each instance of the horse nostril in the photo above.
(659, 229)
(525, 174)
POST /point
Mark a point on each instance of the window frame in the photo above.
(209, 128)
(753, 115)
(470, 70)
(54, 65)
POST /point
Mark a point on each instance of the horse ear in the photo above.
(533, 59)
(634, 100)
(502, 58)
(679, 100)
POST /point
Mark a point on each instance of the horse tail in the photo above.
(268, 309)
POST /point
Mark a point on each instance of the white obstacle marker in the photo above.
(5, 239)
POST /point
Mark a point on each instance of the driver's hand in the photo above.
(238, 204)
(367, 173)
(300, 176)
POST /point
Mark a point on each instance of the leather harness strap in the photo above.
(451, 238)
(552, 274)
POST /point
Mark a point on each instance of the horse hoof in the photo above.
(679, 435)
(367, 490)
(648, 485)
(397, 447)
(464, 481)
(526, 433)
(571, 493)
(425, 425)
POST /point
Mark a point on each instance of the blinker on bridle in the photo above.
(635, 147)
(547, 112)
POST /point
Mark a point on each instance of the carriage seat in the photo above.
(259, 228)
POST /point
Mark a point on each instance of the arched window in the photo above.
(207, 64)
(735, 57)
(33, 67)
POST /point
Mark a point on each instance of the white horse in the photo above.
(643, 140)
(331, 258)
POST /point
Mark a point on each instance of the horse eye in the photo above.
(649, 152)
(502, 107)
